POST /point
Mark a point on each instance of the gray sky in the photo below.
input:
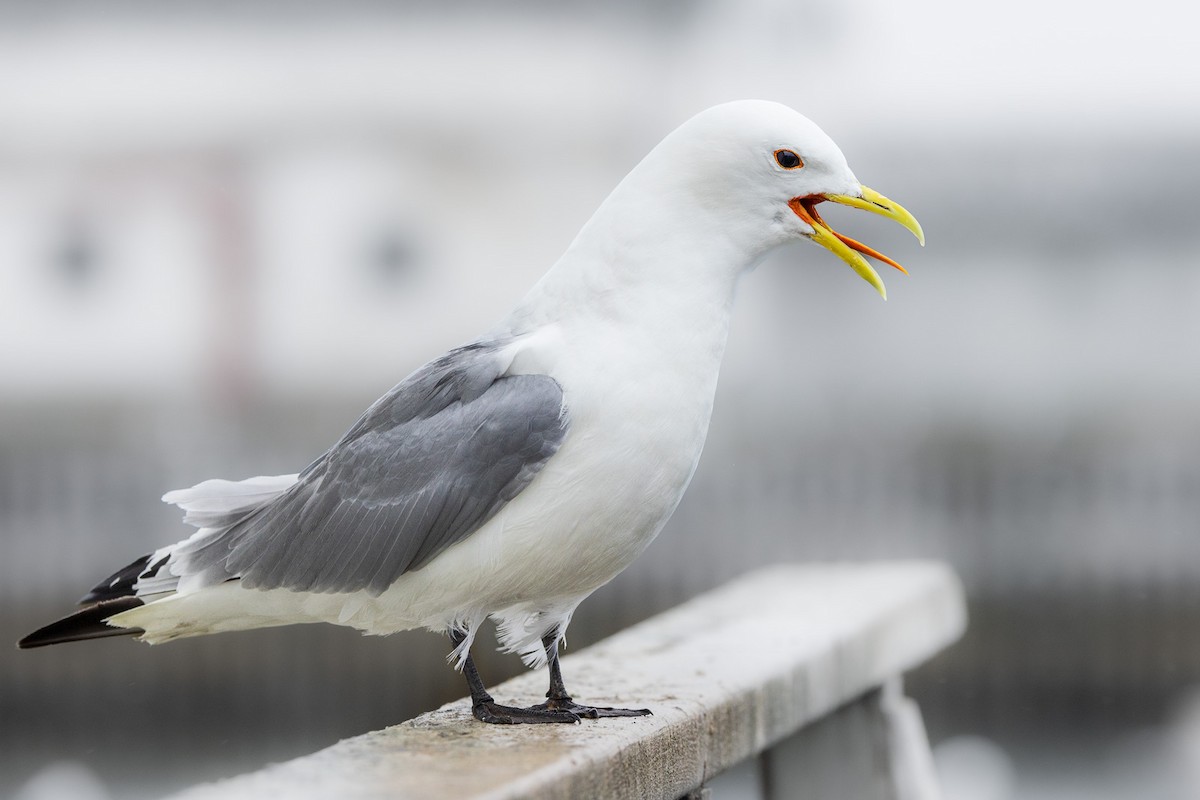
(982, 67)
(1038, 67)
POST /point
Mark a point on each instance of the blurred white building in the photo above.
(183, 212)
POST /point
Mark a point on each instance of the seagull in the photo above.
(513, 476)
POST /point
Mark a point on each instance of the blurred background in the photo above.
(225, 228)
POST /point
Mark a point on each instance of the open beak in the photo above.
(848, 249)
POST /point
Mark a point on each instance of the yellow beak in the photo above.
(844, 247)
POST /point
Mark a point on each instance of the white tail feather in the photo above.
(210, 502)
(211, 506)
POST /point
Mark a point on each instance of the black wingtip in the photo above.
(120, 583)
(87, 623)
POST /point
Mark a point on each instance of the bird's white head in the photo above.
(761, 169)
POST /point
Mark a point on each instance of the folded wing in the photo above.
(425, 466)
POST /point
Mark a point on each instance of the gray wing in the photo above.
(424, 467)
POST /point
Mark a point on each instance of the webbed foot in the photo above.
(496, 714)
(561, 704)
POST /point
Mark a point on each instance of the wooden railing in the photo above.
(792, 672)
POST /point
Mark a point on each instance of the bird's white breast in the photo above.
(639, 396)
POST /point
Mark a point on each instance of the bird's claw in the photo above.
(561, 704)
(496, 714)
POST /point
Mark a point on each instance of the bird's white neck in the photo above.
(654, 253)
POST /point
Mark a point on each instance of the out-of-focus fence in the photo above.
(1078, 554)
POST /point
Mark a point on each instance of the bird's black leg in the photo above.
(557, 698)
(486, 709)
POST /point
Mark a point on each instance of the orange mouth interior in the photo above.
(806, 209)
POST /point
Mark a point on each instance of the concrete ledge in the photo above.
(727, 675)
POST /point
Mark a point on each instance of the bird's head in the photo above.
(765, 168)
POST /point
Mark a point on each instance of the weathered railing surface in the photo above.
(796, 666)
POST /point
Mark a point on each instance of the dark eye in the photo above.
(788, 159)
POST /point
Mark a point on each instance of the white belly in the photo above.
(638, 421)
(628, 456)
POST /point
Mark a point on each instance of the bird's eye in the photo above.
(788, 159)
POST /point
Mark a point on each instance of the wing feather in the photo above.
(422, 469)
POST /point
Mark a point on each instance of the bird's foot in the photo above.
(565, 703)
(496, 714)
